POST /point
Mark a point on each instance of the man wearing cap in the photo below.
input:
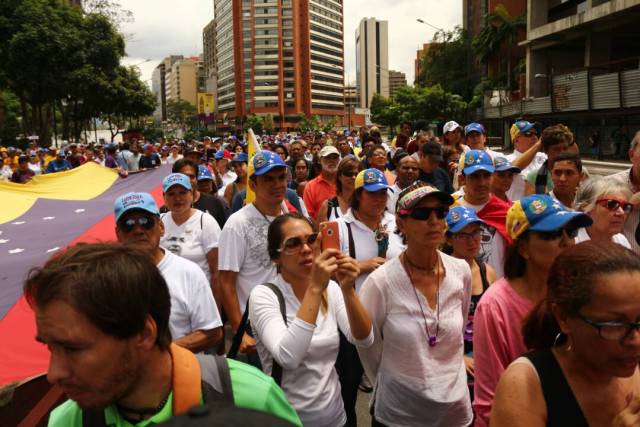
(430, 171)
(194, 321)
(502, 179)
(244, 260)
(222, 175)
(59, 164)
(476, 178)
(239, 166)
(453, 135)
(205, 180)
(526, 156)
(149, 159)
(476, 138)
(322, 187)
(23, 173)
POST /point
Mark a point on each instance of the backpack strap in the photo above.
(483, 274)
(237, 337)
(541, 179)
(216, 374)
(352, 245)
(186, 379)
(201, 217)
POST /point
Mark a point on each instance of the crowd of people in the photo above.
(466, 286)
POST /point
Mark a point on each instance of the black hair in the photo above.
(181, 163)
(569, 157)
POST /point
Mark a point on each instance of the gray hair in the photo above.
(593, 189)
(635, 141)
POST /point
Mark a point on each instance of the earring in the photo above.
(557, 339)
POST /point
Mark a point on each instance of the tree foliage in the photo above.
(181, 112)
(256, 123)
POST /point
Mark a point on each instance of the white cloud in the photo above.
(167, 27)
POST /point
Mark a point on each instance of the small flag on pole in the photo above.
(252, 149)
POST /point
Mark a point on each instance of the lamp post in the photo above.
(422, 21)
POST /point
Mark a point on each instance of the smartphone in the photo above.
(330, 235)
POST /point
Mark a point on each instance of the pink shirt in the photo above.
(497, 341)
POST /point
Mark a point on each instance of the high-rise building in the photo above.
(372, 60)
(209, 56)
(185, 79)
(279, 57)
(159, 86)
(418, 61)
(397, 80)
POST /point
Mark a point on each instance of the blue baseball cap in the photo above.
(204, 173)
(265, 161)
(240, 157)
(176, 179)
(371, 180)
(135, 201)
(539, 212)
(459, 217)
(474, 127)
(503, 164)
(475, 160)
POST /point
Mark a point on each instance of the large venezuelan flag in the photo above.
(36, 220)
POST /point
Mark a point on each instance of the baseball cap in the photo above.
(459, 217)
(371, 180)
(147, 146)
(539, 212)
(175, 179)
(263, 162)
(223, 154)
(475, 160)
(328, 150)
(502, 164)
(23, 159)
(521, 126)
(450, 126)
(240, 157)
(62, 153)
(474, 127)
(411, 196)
(131, 201)
(204, 173)
(433, 150)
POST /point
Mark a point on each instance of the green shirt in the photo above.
(251, 389)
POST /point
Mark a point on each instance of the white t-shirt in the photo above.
(36, 168)
(227, 179)
(516, 192)
(193, 239)
(493, 246)
(171, 160)
(192, 305)
(392, 198)
(619, 238)
(243, 249)
(307, 352)
(364, 240)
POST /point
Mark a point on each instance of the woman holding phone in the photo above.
(306, 345)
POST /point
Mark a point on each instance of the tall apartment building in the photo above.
(372, 60)
(279, 57)
(209, 56)
(397, 79)
(418, 61)
(159, 86)
(185, 79)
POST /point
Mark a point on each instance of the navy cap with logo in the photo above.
(475, 160)
(265, 161)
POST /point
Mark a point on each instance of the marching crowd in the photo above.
(457, 284)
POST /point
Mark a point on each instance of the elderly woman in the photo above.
(541, 228)
(418, 303)
(607, 203)
(338, 206)
(305, 346)
(583, 370)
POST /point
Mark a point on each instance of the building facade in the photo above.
(209, 56)
(372, 60)
(279, 57)
(397, 80)
(418, 61)
(159, 86)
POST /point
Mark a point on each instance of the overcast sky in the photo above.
(167, 27)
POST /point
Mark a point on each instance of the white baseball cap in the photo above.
(450, 127)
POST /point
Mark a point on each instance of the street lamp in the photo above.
(422, 21)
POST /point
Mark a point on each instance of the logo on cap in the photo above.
(259, 161)
(132, 200)
(455, 216)
(470, 159)
(538, 206)
(370, 177)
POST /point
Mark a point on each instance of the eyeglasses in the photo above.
(294, 244)
(468, 236)
(613, 331)
(571, 232)
(349, 174)
(378, 154)
(127, 225)
(423, 214)
(615, 204)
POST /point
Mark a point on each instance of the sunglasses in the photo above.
(423, 214)
(468, 236)
(127, 225)
(294, 244)
(571, 232)
(614, 205)
(349, 174)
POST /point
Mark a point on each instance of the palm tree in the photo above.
(500, 28)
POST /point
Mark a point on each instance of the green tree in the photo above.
(256, 123)
(500, 32)
(9, 117)
(309, 124)
(267, 123)
(385, 111)
(181, 112)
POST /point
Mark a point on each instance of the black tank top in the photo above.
(562, 407)
(475, 299)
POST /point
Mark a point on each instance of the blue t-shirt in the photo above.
(58, 165)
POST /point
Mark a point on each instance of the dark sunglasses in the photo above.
(294, 244)
(614, 205)
(349, 174)
(423, 214)
(127, 225)
(571, 232)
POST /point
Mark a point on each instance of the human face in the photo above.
(302, 171)
(148, 239)
(315, 148)
(343, 148)
(222, 164)
(348, 182)
(330, 163)
(426, 163)
(378, 159)
(501, 182)
(540, 253)
(92, 368)
(407, 171)
(240, 168)
(280, 152)
(614, 299)
(271, 187)
(476, 140)
(477, 187)
(298, 262)
(525, 140)
(565, 177)
(466, 242)
(205, 186)
(238, 149)
(373, 204)
(296, 151)
(191, 173)
(553, 151)
(178, 199)
(608, 222)
(368, 146)
(405, 129)
(454, 137)
(429, 233)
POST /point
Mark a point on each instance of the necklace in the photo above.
(264, 216)
(142, 414)
(417, 267)
(432, 339)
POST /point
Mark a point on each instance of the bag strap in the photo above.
(352, 245)
(541, 179)
(237, 337)
(216, 373)
(483, 275)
